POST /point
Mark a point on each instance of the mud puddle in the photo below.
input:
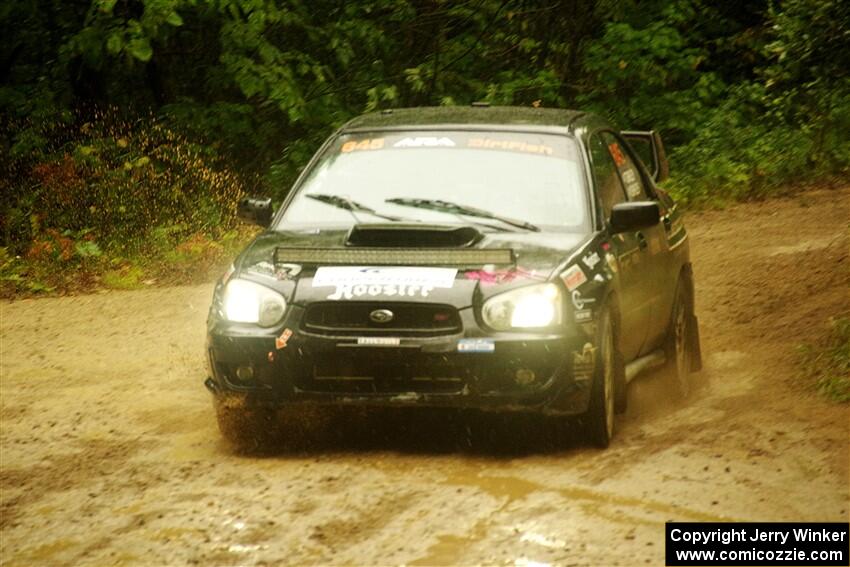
(109, 452)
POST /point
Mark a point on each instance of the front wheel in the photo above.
(678, 346)
(246, 428)
(599, 420)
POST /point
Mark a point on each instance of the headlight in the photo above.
(247, 302)
(529, 307)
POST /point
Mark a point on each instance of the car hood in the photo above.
(537, 255)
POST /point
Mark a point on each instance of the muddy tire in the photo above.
(678, 346)
(620, 386)
(599, 419)
(246, 428)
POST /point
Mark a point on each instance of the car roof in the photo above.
(470, 117)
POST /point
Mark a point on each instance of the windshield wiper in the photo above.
(456, 209)
(351, 206)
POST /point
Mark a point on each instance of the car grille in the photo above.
(409, 319)
(377, 374)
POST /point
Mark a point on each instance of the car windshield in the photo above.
(495, 180)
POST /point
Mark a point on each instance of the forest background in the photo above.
(129, 128)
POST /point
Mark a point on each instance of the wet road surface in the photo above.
(109, 452)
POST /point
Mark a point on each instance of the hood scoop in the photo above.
(414, 235)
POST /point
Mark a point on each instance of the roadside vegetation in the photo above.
(827, 363)
(129, 128)
(116, 204)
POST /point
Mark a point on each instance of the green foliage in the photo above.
(651, 78)
(104, 190)
(126, 277)
(112, 31)
(116, 180)
(829, 362)
(736, 153)
(732, 130)
(748, 96)
(11, 269)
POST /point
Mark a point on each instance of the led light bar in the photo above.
(395, 256)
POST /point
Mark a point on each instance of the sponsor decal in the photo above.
(284, 337)
(350, 291)
(579, 302)
(583, 362)
(591, 260)
(617, 154)
(476, 345)
(425, 142)
(351, 282)
(633, 189)
(510, 145)
(361, 145)
(573, 277)
(630, 179)
(378, 341)
(583, 315)
(612, 262)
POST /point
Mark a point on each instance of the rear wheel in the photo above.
(599, 420)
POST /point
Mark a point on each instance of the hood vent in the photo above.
(399, 235)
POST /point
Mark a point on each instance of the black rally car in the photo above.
(492, 258)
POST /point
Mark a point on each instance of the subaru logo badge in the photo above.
(381, 315)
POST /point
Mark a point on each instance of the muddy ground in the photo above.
(110, 453)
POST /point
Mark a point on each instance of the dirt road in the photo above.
(110, 454)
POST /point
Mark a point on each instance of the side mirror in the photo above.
(649, 147)
(255, 211)
(626, 217)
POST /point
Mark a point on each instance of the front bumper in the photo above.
(549, 373)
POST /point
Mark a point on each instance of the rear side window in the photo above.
(605, 174)
(626, 167)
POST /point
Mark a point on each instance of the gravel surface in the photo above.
(110, 455)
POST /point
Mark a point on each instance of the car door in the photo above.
(652, 240)
(631, 253)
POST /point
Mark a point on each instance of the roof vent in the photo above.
(480, 104)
